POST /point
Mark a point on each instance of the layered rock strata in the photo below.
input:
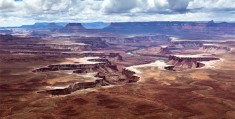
(187, 44)
(210, 48)
(107, 74)
(187, 62)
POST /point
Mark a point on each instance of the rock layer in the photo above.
(107, 74)
(183, 63)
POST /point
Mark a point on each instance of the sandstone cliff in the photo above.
(187, 62)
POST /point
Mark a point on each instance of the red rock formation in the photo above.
(130, 75)
(214, 49)
(101, 60)
(74, 26)
(183, 63)
(94, 42)
(157, 39)
(108, 74)
(74, 87)
(191, 59)
(172, 27)
(187, 44)
(68, 67)
(164, 50)
(116, 55)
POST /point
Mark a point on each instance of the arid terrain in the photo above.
(173, 72)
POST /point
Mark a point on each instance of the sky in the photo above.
(21, 12)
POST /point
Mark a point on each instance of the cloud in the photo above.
(119, 6)
(157, 6)
(178, 5)
(46, 6)
(26, 11)
(6, 4)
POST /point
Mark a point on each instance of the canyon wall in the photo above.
(171, 27)
(107, 74)
(214, 49)
(184, 63)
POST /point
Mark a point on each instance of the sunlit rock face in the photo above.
(187, 44)
(184, 62)
(214, 49)
(106, 73)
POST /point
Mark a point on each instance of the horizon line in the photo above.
(111, 22)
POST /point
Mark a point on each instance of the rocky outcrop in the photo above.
(74, 87)
(105, 78)
(74, 26)
(171, 68)
(131, 75)
(187, 44)
(101, 60)
(156, 39)
(214, 49)
(178, 28)
(117, 56)
(68, 67)
(191, 59)
(164, 51)
(94, 42)
(107, 74)
(70, 47)
(184, 63)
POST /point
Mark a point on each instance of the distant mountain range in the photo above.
(162, 27)
(45, 25)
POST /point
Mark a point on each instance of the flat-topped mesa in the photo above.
(68, 67)
(106, 61)
(107, 75)
(187, 62)
(191, 59)
(74, 26)
(109, 56)
(75, 87)
(174, 27)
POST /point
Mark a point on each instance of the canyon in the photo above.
(106, 72)
(141, 70)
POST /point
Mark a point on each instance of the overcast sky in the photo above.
(18, 12)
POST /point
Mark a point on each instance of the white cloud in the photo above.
(27, 11)
(119, 6)
(212, 4)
